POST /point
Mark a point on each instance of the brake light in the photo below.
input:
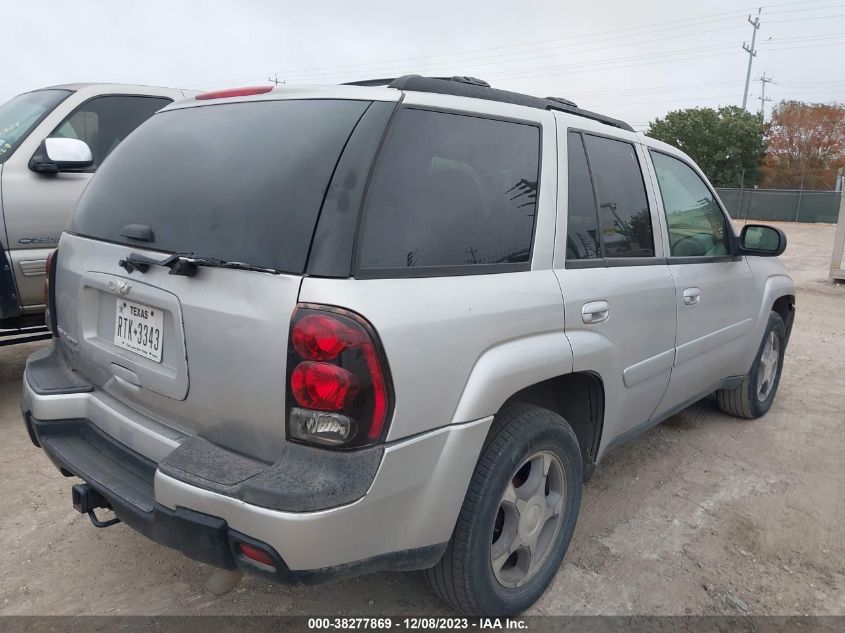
(233, 92)
(339, 387)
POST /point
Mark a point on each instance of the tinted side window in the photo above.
(624, 217)
(451, 190)
(103, 122)
(582, 234)
(696, 223)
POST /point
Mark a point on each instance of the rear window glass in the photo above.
(240, 182)
(451, 190)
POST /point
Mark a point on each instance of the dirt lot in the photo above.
(704, 514)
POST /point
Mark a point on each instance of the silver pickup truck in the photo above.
(312, 332)
(37, 194)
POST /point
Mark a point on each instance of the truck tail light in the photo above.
(50, 290)
(338, 380)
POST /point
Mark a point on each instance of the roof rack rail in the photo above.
(479, 89)
(563, 101)
(472, 81)
(369, 82)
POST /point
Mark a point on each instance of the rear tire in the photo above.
(525, 443)
(755, 394)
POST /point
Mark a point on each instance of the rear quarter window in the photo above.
(451, 191)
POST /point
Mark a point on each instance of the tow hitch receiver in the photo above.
(86, 500)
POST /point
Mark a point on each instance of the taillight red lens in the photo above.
(320, 337)
(233, 92)
(379, 393)
(322, 386)
(336, 364)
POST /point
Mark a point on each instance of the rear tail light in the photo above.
(50, 290)
(338, 381)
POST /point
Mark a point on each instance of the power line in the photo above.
(388, 66)
(628, 36)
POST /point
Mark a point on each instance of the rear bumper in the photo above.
(402, 521)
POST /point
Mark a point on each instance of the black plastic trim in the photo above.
(405, 560)
(790, 320)
(333, 240)
(202, 537)
(704, 259)
(615, 262)
(441, 271)
(418, 83)
(47, 374)
(624, 437)
(304, 479)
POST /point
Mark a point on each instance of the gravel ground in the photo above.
(704, 514)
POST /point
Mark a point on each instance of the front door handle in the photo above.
(595, 312)
(692, 296)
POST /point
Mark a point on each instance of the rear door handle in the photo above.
(595, 312)
(692, 296)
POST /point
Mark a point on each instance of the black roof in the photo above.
(479, 89)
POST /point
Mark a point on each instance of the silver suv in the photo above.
(315, 332)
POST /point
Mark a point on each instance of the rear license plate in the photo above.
(139, 329)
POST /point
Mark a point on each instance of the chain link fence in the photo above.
(781, 205)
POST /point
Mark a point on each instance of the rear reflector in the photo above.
(233, 92)
(258, 555)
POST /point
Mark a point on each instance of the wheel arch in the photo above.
(778, 295)
(784, 305)
(578, 397)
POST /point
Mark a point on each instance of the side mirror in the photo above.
(761, 240)
(61, 154)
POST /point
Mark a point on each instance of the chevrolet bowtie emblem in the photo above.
(120, 286)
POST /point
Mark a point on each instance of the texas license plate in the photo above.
(139, 329)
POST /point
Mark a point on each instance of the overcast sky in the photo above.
(632, 60)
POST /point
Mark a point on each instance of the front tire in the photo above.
(755, 394)
(517, 518)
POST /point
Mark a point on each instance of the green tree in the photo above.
(723, 142)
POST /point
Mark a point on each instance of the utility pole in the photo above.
(752, 53)
(763, 98)
(275, 79)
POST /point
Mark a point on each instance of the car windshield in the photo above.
(20, 115)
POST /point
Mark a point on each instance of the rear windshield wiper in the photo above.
(184, 264)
